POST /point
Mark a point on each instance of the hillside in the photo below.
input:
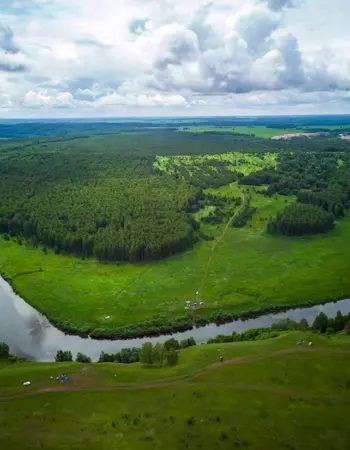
(266, 394)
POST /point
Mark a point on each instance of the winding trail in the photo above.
(192, 380)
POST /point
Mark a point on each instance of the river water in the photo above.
(30, 334)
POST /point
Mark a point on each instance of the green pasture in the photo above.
(298, 400)
(248, 270)
(327, 127)
(256, 131)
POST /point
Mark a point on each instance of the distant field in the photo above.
(327, 127)
(242, 162)
(257, 131)
(264, 400)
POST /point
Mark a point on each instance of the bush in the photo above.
(347, 328)
(81, 358)
(4, 350)
(321, 323)
(158, 354)
(285, 324)
(339, 322)
(152, 354)
(172, 357)
(303, 324)
(236, 337)
(190, 342)
(125, 356)
(171, 344)
(146, 354)
(105, 357)
(63, 356)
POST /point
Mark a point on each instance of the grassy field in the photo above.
(249, 271)
(259, 398)
(328, 127)
(257, 131)
(240, 271)
(245, 163)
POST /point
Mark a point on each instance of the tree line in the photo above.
(321, 184)
(321, 324)
(300, 219)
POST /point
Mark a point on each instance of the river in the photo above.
(30, 334)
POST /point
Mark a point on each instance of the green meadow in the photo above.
(249, 270)
(266, 394)
(240, 271)
(243, 162)
(257, 131)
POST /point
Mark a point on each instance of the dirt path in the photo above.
(192, 379)
(219, 239)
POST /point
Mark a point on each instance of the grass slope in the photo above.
(296, 399)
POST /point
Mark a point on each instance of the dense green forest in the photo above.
(321, 182)
(166, 142)
(111, 198)
(106, 205)
(12, 128)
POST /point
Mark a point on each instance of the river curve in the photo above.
(30, 334)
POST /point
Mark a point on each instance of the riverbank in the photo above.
(191, 321)
(250, 274)
(30, 335)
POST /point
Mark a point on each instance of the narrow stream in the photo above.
(31, 335)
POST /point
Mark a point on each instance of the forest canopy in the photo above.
(135, 196)
(300, 219)
(110, 206)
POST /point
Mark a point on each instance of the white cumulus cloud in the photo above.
(161, 56)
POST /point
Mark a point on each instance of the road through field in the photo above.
(192, 379)
(219, 239)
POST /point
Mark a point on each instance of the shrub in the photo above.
(339, 322)
(235, 337)
(4, 350)
(81, 358)
(158, 354)
(303, 324)
(191, 420)
(285, 324)
(172, 357)
(171, 344)
(320, 323)
(106, 357)
(63, 356)
(146, 354)
(347, 328)
(152, 354)
(187, 342)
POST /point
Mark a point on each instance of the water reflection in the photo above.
(30, 334)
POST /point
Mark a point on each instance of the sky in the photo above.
(122, 58)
